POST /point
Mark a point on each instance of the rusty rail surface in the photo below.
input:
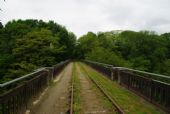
(16, 95)
(153, 87)
(72, 99)
(72, 94)
(116, 107)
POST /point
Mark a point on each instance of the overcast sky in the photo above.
(81, 16)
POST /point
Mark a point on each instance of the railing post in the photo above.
(119, 77)
(151, 90)
(1, 90)
(112, 74)
(52, 74)
(48, 76)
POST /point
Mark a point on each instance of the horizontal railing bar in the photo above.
(151, 86)
(129, 69)
(161, 82)
(17, 94)
(30, 74)
(62, 62)
(137, 75)
(100, 63)
(20, 78)
(144, 72)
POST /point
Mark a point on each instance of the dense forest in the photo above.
(26, 45)
(144, 50)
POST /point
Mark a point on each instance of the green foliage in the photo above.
(77, 103)
(142, 50)
(39, 47)
(87, 43)
(106, 56)
(29, 44)
(1, 26)
(140, 63)
(121, 95)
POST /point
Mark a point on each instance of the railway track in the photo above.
(73, 90)
(87, 93)
(72, 99)
(116, 107)
(72, 94)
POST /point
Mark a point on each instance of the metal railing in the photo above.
(153, 87)
(16, 95)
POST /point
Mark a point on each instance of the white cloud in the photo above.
(81, 16)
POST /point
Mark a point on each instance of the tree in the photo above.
(29, 44)
(1, 26)
(144, 50)
(106, 56)
(87, 43)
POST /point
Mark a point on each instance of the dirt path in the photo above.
(91, 98)
(57, 99)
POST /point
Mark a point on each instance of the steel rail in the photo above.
(150, 86)
(72, 94)
(118, 108)
(72, 99)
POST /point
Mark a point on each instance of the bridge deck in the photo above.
(128, 101)
(56, 99)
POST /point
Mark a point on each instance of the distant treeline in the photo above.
(26, 45)
(143, 50)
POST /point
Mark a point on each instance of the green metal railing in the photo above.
(16, 95)
(153, 87)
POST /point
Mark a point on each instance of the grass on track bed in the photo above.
(103, 99)
(77, 106)
(129, 102)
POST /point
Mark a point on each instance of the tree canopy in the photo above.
(29, 44)
(144, 50)
(26, 45)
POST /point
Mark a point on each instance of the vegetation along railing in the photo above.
(17, 94)
(153, 87)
